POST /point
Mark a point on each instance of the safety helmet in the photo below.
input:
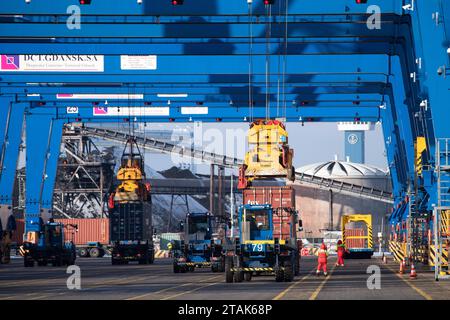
(323, 246)
(339, 242)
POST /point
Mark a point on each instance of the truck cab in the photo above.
(258, 249)
(199, 247)
(48, 246)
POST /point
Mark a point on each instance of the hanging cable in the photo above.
(250, 62)
(279, 60)
(268, 35)
(285, 60)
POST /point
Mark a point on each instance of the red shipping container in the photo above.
(278, 197)
(89, 230)
(354, 243)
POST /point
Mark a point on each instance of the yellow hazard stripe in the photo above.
(398, 250)
(253, 269)
(432, 256)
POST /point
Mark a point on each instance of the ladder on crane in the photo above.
(417, 248)
(442, 211)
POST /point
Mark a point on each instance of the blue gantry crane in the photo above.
(231, 61)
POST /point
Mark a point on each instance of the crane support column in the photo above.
(43, 149)
(12, 118)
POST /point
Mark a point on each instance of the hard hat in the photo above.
(323, 246)
(339, 242)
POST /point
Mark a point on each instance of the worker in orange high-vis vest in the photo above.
(340, 253)
(322, 257)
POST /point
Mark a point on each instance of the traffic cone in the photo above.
(413, 273)
(402, 267)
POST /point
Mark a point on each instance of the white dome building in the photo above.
(313, 202)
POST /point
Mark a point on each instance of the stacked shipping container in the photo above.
(278, 197)
(89, 230)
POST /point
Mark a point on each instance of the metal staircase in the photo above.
(442, 211)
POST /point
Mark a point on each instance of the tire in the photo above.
(114, 262)
(151, 258)
(28, 262)
(83, 253)
(222, 266)
(42, 263)
(176, 268)
(94, 252)
(228, 273)
(297, 266)
(288, 273)
(279, 275)
(248, 276)
(239, 276)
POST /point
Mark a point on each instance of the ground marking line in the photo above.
(322, 284)
(419, 291)
(285, 291)
(193, 290)
(167, 289)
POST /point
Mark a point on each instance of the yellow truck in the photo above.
(358, 239)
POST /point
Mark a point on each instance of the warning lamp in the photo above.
(361, 1)
(357, 119)
(82, 2)
(78, 119)
(126, 119)
(269, 2)
(177, 2)
(171, 119)
(219, 119)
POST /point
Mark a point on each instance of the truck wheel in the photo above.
(222, 266)
(94, 252)
(288, 273)
(248, 276)
(239, 276)
(228, 273)
(83, 253)
(297, 266)
(42, 263)
(28, 262)
(279, 275)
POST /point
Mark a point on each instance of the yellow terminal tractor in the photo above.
(269, 155)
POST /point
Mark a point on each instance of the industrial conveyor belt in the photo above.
(162, 146)
(169, 148)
